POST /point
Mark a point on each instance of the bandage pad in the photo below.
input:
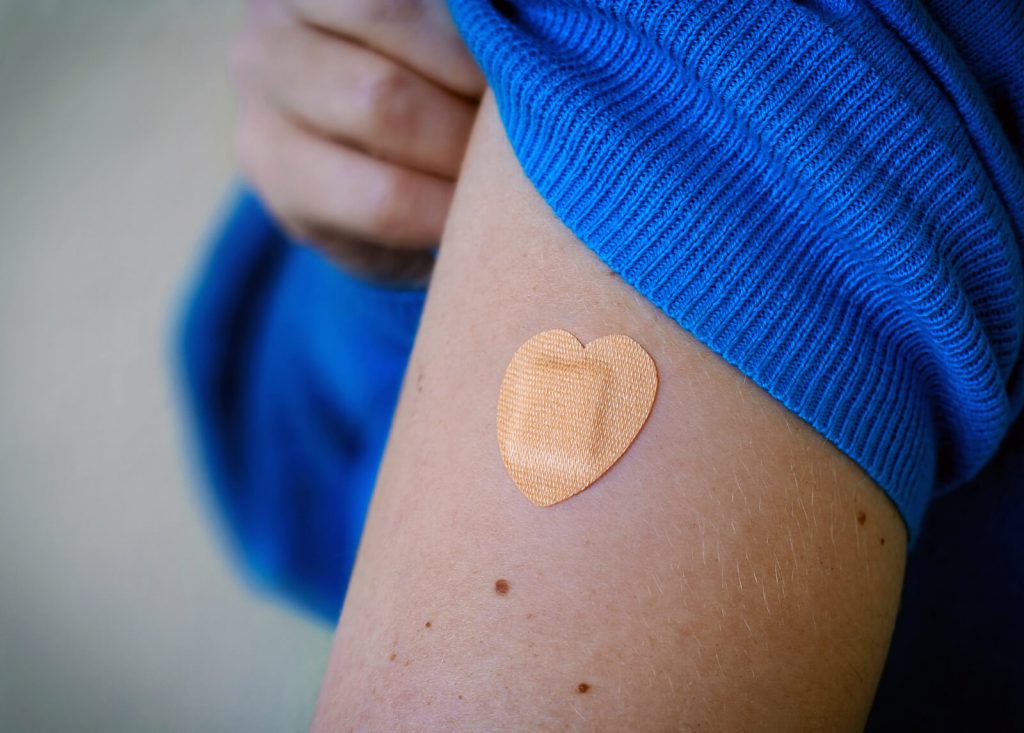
(567, 413)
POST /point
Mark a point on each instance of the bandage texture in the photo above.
(567, 413)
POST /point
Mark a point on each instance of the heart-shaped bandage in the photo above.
(567, 413)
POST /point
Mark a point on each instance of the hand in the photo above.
(354, 116)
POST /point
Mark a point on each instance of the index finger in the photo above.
(417, 33)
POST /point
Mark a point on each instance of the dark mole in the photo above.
(861, 518)
(501, 586)
(881, 540)
(392, 657)
(583, 687)
(427, 624)
(460, 697)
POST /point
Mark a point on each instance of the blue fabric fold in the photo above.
(821, 193)
(826, 193)
(291, 371)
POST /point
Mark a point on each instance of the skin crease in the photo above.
(353, 119)
(719, 577)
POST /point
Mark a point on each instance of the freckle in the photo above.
(501, 587)
(861, 518)
(406, 663)
(583, 687)
(427, 624)
(881, 540)
(460, 697)
(529, 616)
(392, 657)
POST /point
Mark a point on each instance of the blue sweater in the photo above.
(820, 192)
(830, 195)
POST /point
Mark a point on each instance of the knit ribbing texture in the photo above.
(819, 192)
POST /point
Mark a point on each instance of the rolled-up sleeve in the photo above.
(819, 192)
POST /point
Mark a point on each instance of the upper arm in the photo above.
(732, 571)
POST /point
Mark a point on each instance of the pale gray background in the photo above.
(119, 609)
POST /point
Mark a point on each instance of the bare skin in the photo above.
(353, 118)
(733, 571)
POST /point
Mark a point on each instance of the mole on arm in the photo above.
(501, 586)
(582, 688)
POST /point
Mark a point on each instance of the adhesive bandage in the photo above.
(567, 413)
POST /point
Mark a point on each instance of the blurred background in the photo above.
(120, 609)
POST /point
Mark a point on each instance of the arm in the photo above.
(734, 571)
(351, 128)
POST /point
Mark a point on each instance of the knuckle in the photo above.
(389, 106)
(266, 167)
(390, 11)
(390, 210)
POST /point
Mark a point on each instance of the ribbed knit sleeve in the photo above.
(821, 193)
